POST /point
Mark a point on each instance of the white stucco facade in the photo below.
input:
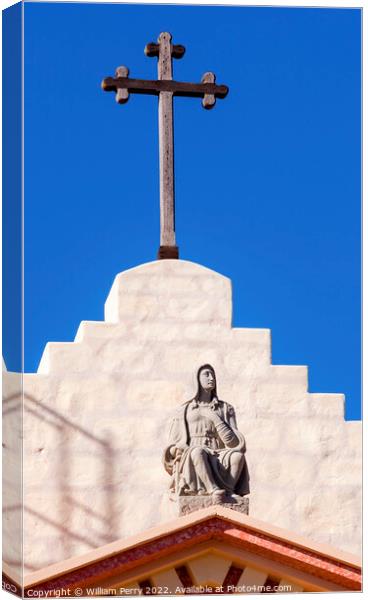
(96, 416)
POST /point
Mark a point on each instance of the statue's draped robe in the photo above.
(189, 430)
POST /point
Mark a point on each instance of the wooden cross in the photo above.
(165, 88)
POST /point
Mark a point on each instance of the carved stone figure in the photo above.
(205, 455)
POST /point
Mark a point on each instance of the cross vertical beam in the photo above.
(168, 248)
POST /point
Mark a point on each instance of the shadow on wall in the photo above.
(67, 505)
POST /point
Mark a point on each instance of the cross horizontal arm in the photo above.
(154, 87)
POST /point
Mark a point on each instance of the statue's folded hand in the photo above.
(176, 452)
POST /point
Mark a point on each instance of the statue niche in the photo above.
(206, 452)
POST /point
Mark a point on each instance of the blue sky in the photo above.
(267, 183)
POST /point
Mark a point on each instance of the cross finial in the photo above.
(165, 88)
(163, 41)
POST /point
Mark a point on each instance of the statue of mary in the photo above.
(206, 452)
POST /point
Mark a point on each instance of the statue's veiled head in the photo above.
(206, 380)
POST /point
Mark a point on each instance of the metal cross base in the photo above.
(168, 252)
(165, 88)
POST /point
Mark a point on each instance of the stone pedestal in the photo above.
(189, 504)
